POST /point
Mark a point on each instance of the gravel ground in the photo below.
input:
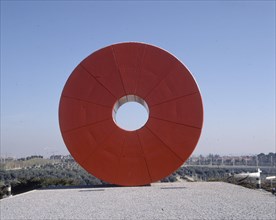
(185, 200)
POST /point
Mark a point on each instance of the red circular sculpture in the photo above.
(136, 71)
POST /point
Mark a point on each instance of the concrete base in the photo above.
(198, 200)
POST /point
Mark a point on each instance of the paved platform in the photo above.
(198, 200)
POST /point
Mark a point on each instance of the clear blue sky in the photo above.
(229, 46)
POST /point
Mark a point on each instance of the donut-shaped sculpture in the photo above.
(104, 81)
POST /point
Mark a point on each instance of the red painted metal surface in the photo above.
(145, 155)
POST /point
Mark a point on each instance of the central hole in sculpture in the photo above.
(130, 113)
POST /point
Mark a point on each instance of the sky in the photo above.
(229, 47)
(131, 116)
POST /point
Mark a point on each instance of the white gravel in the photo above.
(198, 200)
